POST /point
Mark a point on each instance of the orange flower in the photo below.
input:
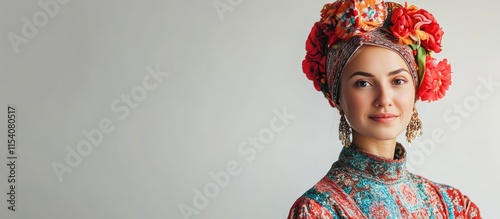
(356, 17)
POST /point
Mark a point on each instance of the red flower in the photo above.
(433, 41)
(402, 25)
(314, 64)
(436, 81)
(416, 26)
(429, 31)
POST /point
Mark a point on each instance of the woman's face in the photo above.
(377, 93)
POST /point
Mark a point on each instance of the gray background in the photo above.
(228, 75)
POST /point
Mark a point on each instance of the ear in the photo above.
(339, 106)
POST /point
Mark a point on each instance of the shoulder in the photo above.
(457, 202)
(454, 201)
(309, 208)
(313, 203)
(325, 200)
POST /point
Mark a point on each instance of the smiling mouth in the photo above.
(383, 118)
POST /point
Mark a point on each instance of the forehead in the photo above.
(375, 60)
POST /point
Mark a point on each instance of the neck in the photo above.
(382, 148)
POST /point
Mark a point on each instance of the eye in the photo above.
(399, 81)
(362, 84)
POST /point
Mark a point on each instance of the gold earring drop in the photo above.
(414, 128)
(344, 131)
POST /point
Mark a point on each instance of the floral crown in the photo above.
(411, 26)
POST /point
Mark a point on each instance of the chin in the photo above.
(384, 138)
(382, 135)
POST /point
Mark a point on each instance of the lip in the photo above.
(383, 117)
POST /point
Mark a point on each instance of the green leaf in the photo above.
(420, 59)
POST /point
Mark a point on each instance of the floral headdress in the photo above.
(345, 23)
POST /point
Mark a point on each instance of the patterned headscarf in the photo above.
(346, 25)
(339, 56)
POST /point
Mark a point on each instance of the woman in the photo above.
(373, 61)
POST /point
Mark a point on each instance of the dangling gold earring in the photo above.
(414, 128)
(344, 131)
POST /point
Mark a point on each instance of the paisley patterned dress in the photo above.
(361, 185)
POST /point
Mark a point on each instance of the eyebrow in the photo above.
(362, 73)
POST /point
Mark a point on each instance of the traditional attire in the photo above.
(361, 185)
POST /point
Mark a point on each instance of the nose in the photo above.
(384, 95)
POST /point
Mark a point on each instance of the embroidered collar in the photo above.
(372, 166)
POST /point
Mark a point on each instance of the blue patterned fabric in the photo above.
(362, 185)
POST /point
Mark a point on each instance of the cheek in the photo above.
(354, 101)
(406, 101)
(406, 95)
